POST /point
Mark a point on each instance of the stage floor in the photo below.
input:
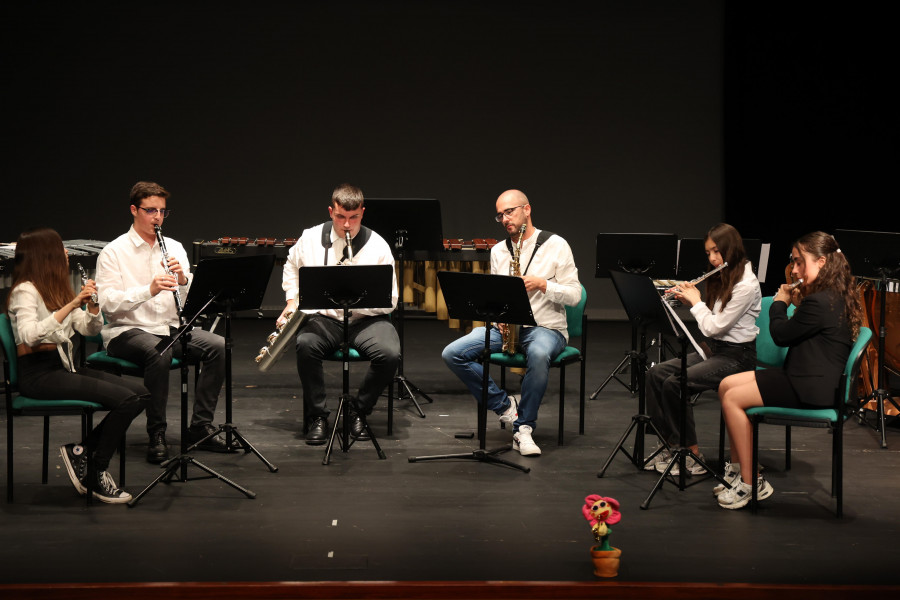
(365, 519)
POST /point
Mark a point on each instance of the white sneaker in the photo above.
(523, 443)
(693, 467)
(662, 458)
(739, 495)
(512, 411)
(731, 475)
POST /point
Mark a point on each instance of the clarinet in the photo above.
(165, 257)
(84, 280)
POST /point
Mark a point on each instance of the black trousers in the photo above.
(42, 376)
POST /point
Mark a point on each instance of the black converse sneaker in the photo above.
(76, 465)
(106, 490)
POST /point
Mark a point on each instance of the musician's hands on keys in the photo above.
(282, 318)
(162, 283)
(534, 283)
(176, 269)
(687, 292)
(501, 327)
(84, 296)
(788, 295)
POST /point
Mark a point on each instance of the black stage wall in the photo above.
(649, 116)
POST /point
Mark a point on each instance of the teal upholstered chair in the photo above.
(768, 355)
(18, 405)
(355, 356)
(576, 322)
(845, 404)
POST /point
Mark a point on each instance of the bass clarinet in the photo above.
(165, 257)
(279, 339)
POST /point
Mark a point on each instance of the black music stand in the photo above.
(346, 287)
(876, 255)
(219, 284)
(492, 299)
(413, 224)
(648, 311)
(651, 254)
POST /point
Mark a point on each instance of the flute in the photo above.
(795, 284)
(165, 257)
(670, 293)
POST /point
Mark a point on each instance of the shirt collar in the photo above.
(135, 238)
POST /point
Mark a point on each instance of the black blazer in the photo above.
(820, 341)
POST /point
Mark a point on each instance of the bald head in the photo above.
(512, 197)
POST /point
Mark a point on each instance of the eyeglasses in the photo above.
(508, 212)
(151, 212)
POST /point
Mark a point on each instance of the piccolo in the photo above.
(165, 257)
(670, 293)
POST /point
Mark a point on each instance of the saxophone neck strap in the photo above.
(542, 237)
(356, 243)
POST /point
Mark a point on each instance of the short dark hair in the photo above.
(145, 189)
(348, 197)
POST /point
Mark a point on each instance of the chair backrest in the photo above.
(574, 315)
(8, 341)
(852, 367)
(768, 354)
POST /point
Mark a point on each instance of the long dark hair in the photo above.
(835, 275)
(731, 247)
(41, 259)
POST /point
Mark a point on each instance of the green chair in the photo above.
(768, 355)
(18, 405)
(845, 405)
(576, 322)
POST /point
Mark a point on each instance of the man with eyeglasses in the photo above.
(551, 279)
(137, 298)
(371, 332)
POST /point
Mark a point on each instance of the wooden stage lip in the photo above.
(439, 590)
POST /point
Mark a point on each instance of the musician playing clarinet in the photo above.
(727, 318)
(547, 267)
(371, 332)
(142, 278)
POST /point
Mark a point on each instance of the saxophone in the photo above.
(278, 340)
(511, 336)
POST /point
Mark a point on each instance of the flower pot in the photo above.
(606, 562)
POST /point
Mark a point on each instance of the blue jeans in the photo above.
(540, 345)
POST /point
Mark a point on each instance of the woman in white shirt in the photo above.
(728, 321)
(45, 313)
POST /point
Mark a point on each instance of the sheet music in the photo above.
(671, 311)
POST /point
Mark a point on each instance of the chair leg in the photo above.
(754, 475)
(562, 404)
(45, 455)
(581, 398)
(9, 457)
(722, 440)
(390, 407)
(787, 448)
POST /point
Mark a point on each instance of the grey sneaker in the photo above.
(663, 458)
(693, 467)
(731, 475)
(739, 496)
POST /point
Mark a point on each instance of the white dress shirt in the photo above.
(737, 322)
(309, 252)
(553, 262)
(125, 269)
(33, 324)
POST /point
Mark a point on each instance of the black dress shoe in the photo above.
(357, 429)
(213, 444)
(317, 431)
(157, 450)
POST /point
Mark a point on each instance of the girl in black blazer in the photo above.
(819, 337)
